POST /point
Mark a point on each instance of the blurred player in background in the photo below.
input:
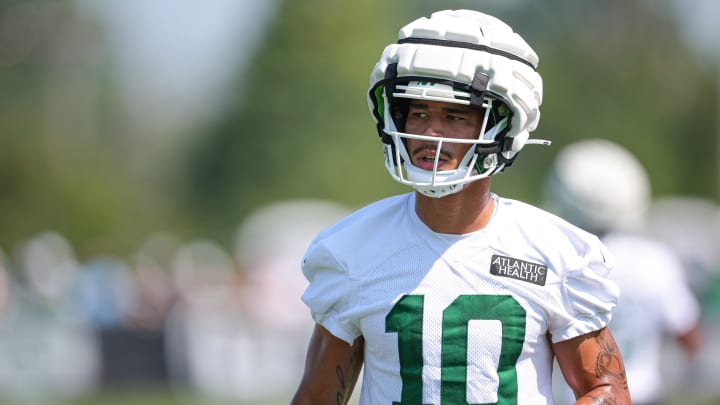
(452, 294)
(239, 331)
(601, 187)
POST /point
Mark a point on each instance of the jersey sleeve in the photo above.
(327, 295)
(588, 294)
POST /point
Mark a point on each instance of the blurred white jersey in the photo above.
(656, 302)
(451, 319)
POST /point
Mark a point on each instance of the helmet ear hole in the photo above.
(500, 111)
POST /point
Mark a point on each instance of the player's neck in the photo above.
(466, 211)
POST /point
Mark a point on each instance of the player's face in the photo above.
(438, 119)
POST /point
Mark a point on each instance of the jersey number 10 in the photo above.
(406, 319)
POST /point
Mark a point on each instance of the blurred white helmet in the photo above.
(463, 57)
(600, 186)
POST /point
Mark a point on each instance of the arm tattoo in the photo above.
(340, 396)
(356, 359)
(609, 362)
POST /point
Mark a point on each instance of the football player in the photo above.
(615, 190)
(452, 294)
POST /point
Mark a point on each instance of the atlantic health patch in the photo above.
(504, 266)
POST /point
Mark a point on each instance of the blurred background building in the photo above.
(164, 164)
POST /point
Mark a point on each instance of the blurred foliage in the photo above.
(627, 77)
(65, 163)
(297, 124)
(299, 127)
(619, 71)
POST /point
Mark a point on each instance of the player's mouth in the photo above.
(424, 157)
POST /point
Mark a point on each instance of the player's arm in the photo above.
(332, 368)
(593, 367)
(691, 340)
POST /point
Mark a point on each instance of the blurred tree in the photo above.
(63, 162)
(623, 74)
(299, 127)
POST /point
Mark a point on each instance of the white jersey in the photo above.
(657, 303)
(450, 319)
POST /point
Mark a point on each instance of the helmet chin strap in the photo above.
(439, 192)
(419, 175)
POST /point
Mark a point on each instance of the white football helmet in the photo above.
(464, 57)
(599, 186)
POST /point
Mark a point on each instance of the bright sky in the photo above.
(175, 56)
(698, 19)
